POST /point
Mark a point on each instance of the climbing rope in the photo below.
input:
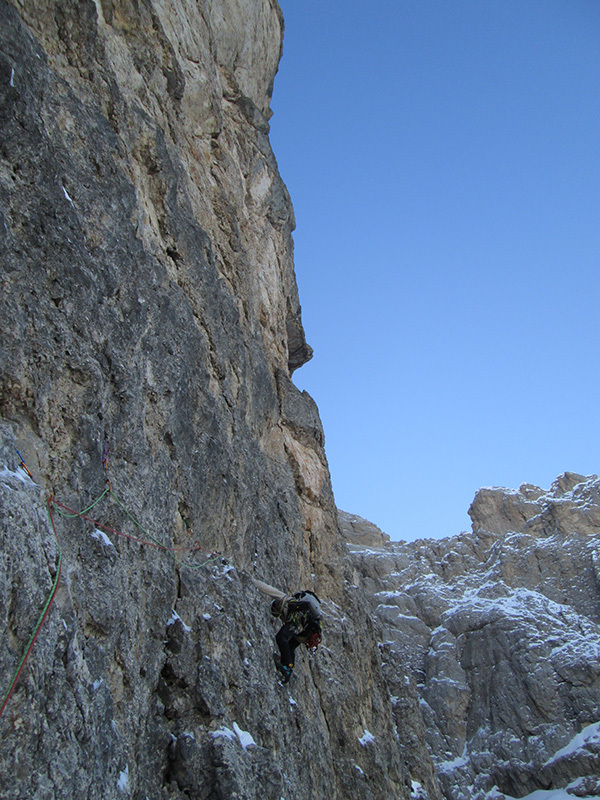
(39, 623)
(151, 541)
(69, 513)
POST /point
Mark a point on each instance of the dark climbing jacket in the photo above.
(302, 612)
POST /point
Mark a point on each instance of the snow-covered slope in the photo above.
(499, 632)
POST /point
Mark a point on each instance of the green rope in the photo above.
(39, 624)
(133, 519)
(149, 535)
(85, 510)
(196, 566)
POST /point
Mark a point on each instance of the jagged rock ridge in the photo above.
(501, 631)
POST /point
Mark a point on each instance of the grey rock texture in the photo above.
(151, 325)
(357, 530)
(500, 629)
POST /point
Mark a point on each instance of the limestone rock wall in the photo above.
(150, 327)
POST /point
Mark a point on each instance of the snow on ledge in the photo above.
(19, 474)
(455, 763)
(176, 618)
(245, 738)
(223, 733)
(123, 782)
(101, 536)
(589, 735)
(541, 794)
(366, 738)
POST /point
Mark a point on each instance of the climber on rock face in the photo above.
(301, 615)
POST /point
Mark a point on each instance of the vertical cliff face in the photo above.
(150, 294)
(151, 325)
(150, 329)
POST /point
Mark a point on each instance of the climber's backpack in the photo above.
(306, 607)
(306, 604)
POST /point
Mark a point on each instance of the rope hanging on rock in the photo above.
(69, 513)
(39, 623)
(151, 541)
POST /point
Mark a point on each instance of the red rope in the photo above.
(40, 622)
(126, 535)
(49, 602)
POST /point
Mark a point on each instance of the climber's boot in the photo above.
(286, 671)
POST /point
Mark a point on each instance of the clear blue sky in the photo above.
(443, 161)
